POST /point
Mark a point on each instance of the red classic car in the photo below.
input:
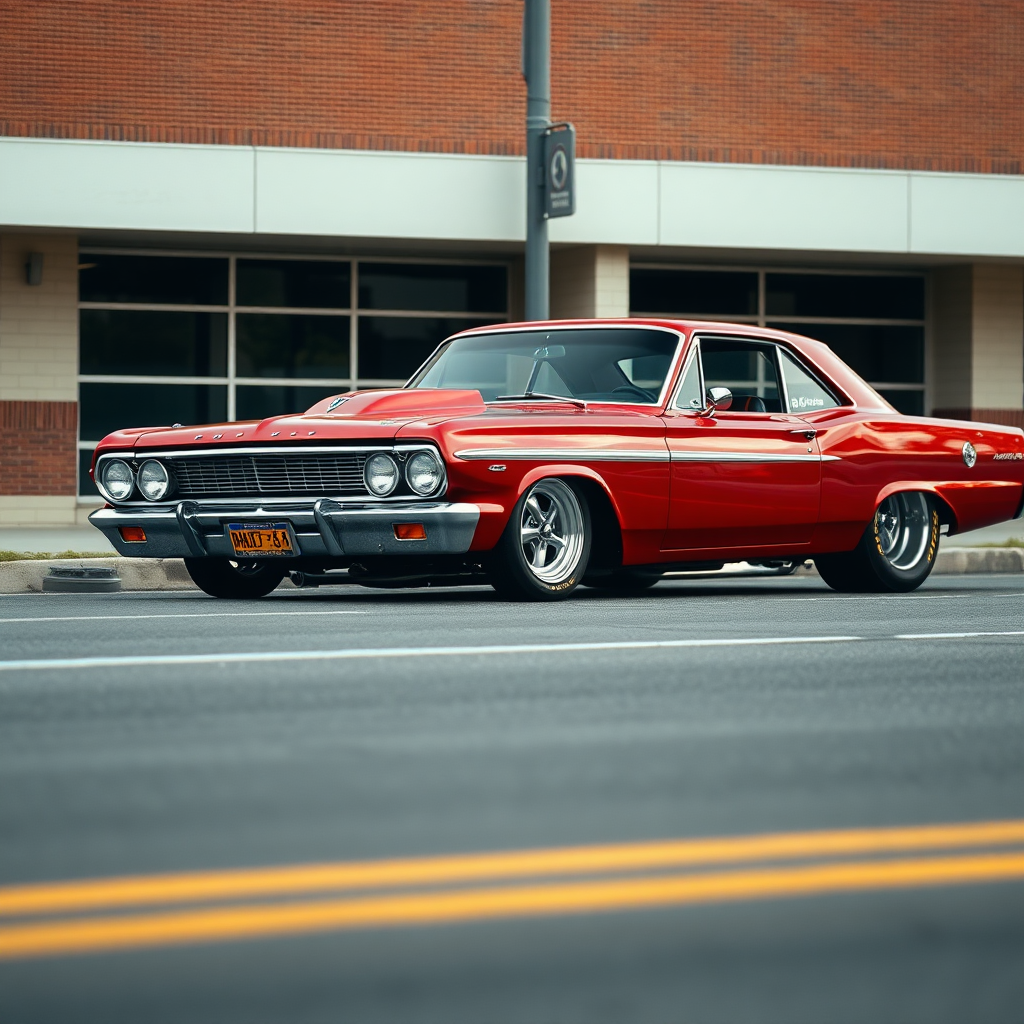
(541, 456)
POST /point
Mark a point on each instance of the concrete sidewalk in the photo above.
(53, 540)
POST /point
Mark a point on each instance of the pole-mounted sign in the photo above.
(560, 170)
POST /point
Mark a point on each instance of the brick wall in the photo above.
(926, 84)
(38, 447)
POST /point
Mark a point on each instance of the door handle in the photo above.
(807, 432)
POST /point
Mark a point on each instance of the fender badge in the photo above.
(497, 468)
(1004, 456)
(970, 454)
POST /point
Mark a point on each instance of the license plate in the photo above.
(260, 539)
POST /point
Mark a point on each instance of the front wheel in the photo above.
(896, 553)
(224, 577)
(543, 553)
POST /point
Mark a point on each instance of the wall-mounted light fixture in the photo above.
(34, 268)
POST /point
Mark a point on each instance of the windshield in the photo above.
(597, 365)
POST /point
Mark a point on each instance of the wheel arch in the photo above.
(947, 514)
(606, 519)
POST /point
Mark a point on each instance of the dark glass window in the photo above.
(393, 348)
(446, 289)
(834, 295)
(910, 403)
(123, 341)
(746, 369)
(107, 407)
(692, 292)
(301, 283)
(291, 345)
(255, 403)
(189, 280)
(891, 354)
(85, 484)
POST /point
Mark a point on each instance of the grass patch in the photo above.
(1013, 542)
(28, 556)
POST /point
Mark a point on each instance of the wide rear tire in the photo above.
(544, 550)
(897, 552)
(223, 577)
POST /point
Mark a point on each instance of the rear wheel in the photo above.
(224, 577)
(896, 552)
(543, 553)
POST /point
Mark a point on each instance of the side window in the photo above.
(747, 369)
(805, 393)
(689, 396)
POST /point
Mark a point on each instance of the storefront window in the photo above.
(875, 322)
(199, 339)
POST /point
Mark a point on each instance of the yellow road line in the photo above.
(54, 938)
(98, 894)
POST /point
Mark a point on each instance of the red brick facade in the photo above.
(925, 84)
(38, 450)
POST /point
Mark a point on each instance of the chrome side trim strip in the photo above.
(698, 456)
(565, 454)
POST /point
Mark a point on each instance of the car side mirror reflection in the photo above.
(717, 398)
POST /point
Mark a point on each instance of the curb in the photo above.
(969, 560)
(26, 577)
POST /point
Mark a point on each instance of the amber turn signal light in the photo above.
(132, 534)
(410, 531)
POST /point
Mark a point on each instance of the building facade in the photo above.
(231, 210)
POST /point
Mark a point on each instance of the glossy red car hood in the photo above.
(375, 415)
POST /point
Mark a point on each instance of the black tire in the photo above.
(550, 511)
(623, 581)
(223, 577)
(896, 553)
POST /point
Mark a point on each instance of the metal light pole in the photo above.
(537, 71)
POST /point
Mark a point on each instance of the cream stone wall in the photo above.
(978, 317)
(997, 352)
(39, 323)
(590, 281)
(38, 510)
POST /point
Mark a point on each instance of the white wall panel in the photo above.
(389, 195)
(616, 204)
(967, 213)
(78, 184)
(766, 207)
(82, 185)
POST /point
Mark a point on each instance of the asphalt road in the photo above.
(603, 720)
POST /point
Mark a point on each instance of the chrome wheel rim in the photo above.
(551, 531)
(902, 528)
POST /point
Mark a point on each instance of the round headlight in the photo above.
(423, 473)
(118, 479)
(154, 480)
(380, 475)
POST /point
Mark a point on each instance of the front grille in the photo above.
(231, 476)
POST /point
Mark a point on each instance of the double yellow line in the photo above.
(96, 915)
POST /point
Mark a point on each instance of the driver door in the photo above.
(747, 477)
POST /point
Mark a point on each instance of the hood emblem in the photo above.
(970, 454)
(336, 403)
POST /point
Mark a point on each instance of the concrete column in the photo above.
(590, 281)
(38, 382)
(978, 316)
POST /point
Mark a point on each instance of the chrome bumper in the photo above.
(320, 529)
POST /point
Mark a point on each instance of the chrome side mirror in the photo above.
(717, 398)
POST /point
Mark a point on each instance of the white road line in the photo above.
(177, 615)
(957, 636)
(399, 652)
(366, 653)
(902, 598)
